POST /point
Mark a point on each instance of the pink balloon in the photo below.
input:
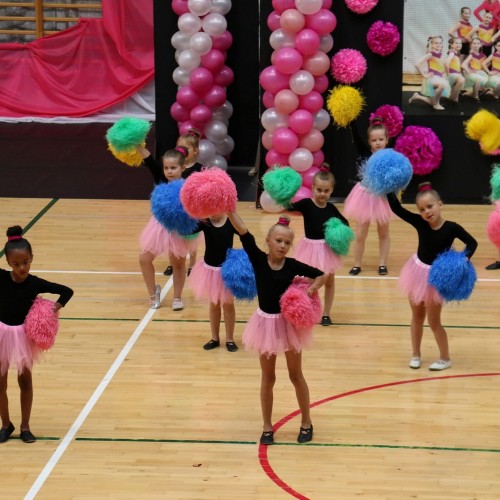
(267, 139)
(288, 60)
(222, 42)
(292, 21)
(312, 102)
(215, 97)
(307, 42)
(285, 140)
(320, 84)
(322, 22)
(327, 4)
(273, 20)
(268, 99)
(268, 204)
(275, 158)
(318, 158)
(282, 5)
(201, 79)
(224, 77)
(180, 7)
(303, 192)
(184, 127)
(307, 176)
(187, 97)
(178, 112)
(200, 114)
(286, 101)
(301, 121)
(213, 60)
(317, 64)
(301, 159)
(313, 140)
(273, 80)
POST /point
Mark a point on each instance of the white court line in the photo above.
(75, 427)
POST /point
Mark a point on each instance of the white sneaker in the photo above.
(155, 299)
(414, 362)
(177, 305)
(439, 365)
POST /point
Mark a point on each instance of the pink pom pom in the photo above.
(383, 38)
(392, 118)
(422, 147)
(348, 66)
(493, 226)
(302, 311)
(208, 193)
(361, 6)
(42, 323)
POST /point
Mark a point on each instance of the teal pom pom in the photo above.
(338, 236)
(282, 183)
(495, 182)
(453, 275)
(238, 275)
(127, 133)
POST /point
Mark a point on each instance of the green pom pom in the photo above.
(189, 236)
(282, 183)
(127, 133)
(495, 182)
(338, 236)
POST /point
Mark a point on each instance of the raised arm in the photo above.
(237, 223)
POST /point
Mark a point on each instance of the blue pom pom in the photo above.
(168, 210)
(386, 171)
(453, 275)
(238, 275)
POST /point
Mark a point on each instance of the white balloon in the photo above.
(302, 82)
(214, 24)
(280, 39)
(189, 24)
(188, 60)
(218, 161)
(226, 146)
(201, 43)
(224, 112)
(206, 151)
(176, 55)
(221, 6)
(326, 43)
(215, 131)
(301, 159)
(199, 7)
(271, 120)
(180, 77)
(268, 204)
(321, 119)
(180, 41)
(308, 6)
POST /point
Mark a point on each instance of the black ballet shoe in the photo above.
(267, 437)
(6, 432)
(305, 435)
(211, 344)
(355, 271)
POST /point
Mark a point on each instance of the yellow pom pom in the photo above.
(132, 158)
(484, 127)
(345, 104)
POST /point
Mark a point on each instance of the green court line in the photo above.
(145, 440)
(35, 219)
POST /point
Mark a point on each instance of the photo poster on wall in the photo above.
(424, 19)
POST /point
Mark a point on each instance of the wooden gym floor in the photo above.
(128, 404)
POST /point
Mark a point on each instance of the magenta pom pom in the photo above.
(348, 66)
(392, 118)
(208, 193)
(383, 38)
(493, 227)
(42, 323)
(361, 6)
(302, 311)
(422, 147)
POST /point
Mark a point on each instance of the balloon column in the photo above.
(202, 76)
(293, 86)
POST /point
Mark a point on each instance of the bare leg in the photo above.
(26, 385)
(268, 367)
(455, 91)
(419, 97)
(359, 243)
(229, 320)
(434, 318)
(214, 314)
(4, 400)
(192, 258)
(148, 271)
(294, 364)
(438, 92)
(417, 326)
(329, 294)
(384, 243)
(178, 275)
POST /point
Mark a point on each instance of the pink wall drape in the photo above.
(82, 70)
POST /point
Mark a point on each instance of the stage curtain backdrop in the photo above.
(82, 70)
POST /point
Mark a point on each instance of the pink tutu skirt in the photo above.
(363, 206)
(414, 281)
(269, 334)
(317, 254)
(159, 241)
(207, 284)
(16, 349)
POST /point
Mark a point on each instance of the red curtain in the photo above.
(82, 70)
